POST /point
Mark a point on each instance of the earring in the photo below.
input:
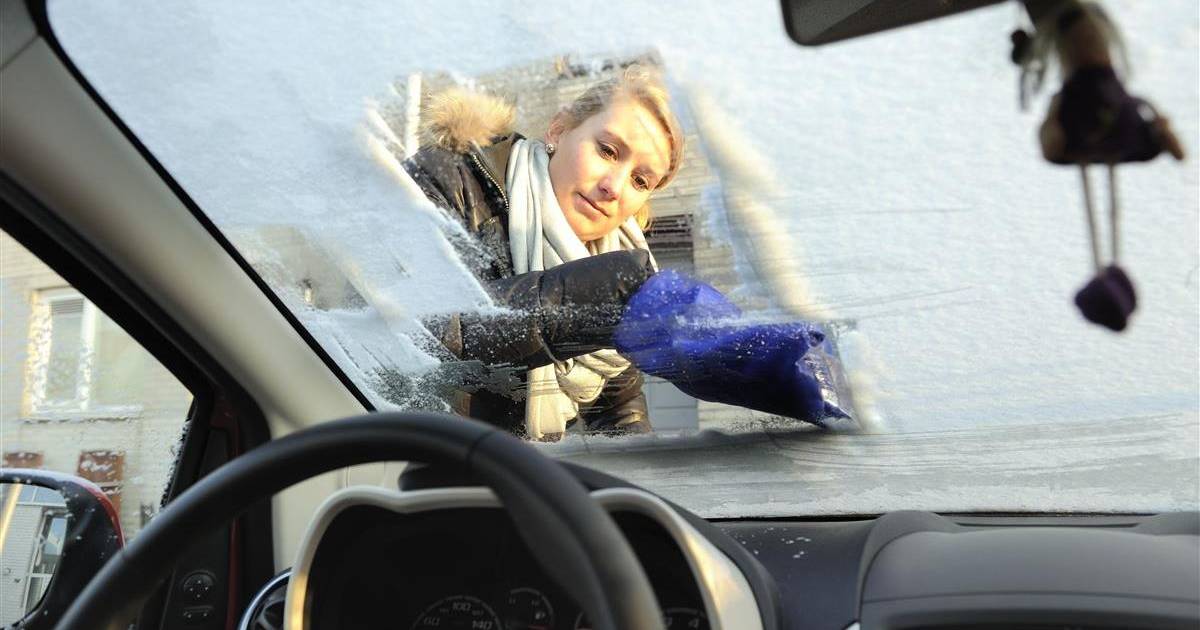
(550, 148)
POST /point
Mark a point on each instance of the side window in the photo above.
(78, 395)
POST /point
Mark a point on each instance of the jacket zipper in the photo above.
(488, 174)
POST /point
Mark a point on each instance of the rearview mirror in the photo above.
(816, 22)
(56, 532)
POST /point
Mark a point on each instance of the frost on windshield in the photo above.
(371, 282)
(898, 179)
(708, 223)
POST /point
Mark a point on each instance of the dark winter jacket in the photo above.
(566, 311)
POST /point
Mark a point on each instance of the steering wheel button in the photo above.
(197, 614)
(197, 586)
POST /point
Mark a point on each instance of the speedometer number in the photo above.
(457, 612)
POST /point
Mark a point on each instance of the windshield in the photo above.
(888, 189)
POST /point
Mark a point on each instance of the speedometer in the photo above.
(457, 612)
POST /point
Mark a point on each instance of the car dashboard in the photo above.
(450, 557)
(468, 568)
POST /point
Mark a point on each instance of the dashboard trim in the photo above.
(260, 597)
(728, 598)
(726, 592)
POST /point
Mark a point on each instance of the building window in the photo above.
(671, 240)
(52, 535)
(80, 362)
(64, 383)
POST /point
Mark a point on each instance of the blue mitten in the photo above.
(686, 332)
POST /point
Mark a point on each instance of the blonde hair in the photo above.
(642, 84)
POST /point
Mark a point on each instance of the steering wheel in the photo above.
(573, 539)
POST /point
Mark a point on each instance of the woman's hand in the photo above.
(688, 333)
(559, 313)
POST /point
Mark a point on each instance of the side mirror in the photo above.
(56, 532)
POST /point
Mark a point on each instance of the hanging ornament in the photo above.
(1092, 120)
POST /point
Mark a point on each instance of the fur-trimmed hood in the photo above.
(458, 118)
(467, 140)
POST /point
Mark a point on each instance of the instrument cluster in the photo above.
(468, 569)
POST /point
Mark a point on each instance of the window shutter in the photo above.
(70, 306)
(105, 469)
(22, 459)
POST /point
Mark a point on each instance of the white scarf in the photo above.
(539, 238)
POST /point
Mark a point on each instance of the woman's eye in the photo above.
(607, 150)
(641, 183)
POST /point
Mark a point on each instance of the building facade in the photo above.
(78, 395)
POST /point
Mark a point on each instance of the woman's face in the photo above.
(603, 170)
